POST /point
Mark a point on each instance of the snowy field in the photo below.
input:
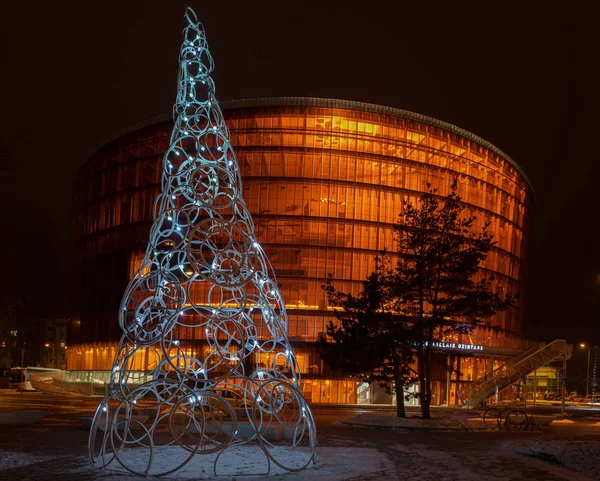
(391, 421)
(511, 460)
(514, 461)
(583, 456)
(55, 450)
(249, 464)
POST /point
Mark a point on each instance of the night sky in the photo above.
(75, 73)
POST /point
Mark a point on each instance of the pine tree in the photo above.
(435, 282)
(371, 341)
(429, 287)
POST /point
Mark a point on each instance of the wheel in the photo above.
(502, 416)
(491, 415)
(516, 420)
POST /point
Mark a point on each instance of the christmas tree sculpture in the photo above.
(174, 399)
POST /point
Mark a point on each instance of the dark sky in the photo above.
(514, 73)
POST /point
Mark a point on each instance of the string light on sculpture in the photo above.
(204, 276)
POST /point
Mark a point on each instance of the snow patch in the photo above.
(502, 462)
(582, 456)
(14, 459)
(433, 465)
(393, 422)
(249, 464)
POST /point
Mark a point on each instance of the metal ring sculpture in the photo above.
(203, 276)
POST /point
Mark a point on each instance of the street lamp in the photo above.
(587, 371)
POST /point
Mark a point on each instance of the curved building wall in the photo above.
(325, 181)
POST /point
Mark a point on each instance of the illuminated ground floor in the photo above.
(353, 391)
(455, 366)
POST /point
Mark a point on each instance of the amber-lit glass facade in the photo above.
(325, 181)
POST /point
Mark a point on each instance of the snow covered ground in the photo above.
(503, 464)
(333, 464)
(55, 450)
(515, 461)
(511, 460)
(583, 456)
(10, 460)
(390, 420)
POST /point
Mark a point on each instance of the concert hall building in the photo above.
(324, 181)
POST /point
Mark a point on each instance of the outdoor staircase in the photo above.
(479, 391)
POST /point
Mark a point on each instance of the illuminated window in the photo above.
(135, 262)
(14, 332)
(325, 187)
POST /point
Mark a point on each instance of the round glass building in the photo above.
(325, 181)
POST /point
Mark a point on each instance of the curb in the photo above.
(418, 428)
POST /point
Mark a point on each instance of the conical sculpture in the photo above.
(173, 399)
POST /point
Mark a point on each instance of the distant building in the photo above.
(11, 344)
(325, 181)
(34, 342)
(53, 343)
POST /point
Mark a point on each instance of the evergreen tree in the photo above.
(433, 288)
(371, 341)
(437, 282)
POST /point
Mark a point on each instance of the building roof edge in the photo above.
(374, 108)
(327, 103)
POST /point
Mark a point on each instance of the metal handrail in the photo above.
(514, 360)
(507, 374)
